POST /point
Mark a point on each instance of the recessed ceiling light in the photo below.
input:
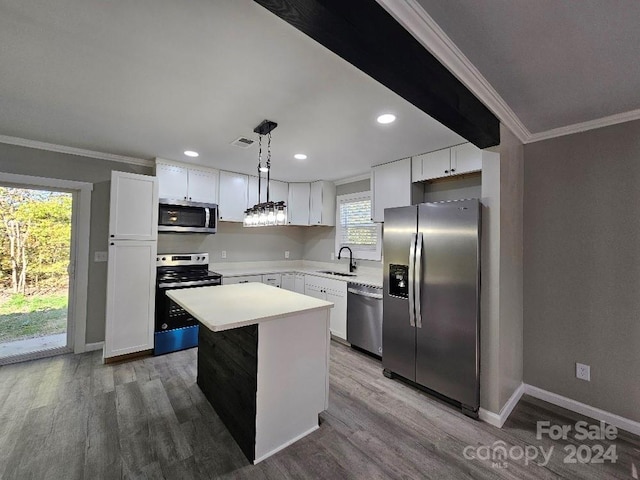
(191, 153)
(300, 156)
(386, 118)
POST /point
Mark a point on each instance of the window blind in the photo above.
(356, 228)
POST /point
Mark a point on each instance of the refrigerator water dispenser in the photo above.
(399, 280)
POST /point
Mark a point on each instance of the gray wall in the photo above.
(453, 189)
(582, 274)
(320, 242)
(241, 244)
(29, 161)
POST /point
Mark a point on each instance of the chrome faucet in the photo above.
(352, 264)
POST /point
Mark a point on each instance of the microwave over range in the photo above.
(187, 217)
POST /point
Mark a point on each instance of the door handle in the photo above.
(418, 280)
(377, 296)
(412, 266)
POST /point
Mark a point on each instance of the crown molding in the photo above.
(584, 126)
(52, 147)
(411, 15)
(357, 178)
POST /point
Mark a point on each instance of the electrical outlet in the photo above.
(223, 254)
(333, 256)
(583, 372)
(286, 254)
(100, 256)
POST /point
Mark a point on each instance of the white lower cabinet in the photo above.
(131, 275)
(242, 279)
(293, 282)
(273, 279)
(334, 291)
(288, 281)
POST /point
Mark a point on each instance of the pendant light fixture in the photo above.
(267, 213)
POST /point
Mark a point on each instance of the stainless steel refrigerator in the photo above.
(431, 303)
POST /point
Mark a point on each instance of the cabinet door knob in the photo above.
(453, 170)
(185, 197)
(190, 197)
(112, 236)
(446, 171)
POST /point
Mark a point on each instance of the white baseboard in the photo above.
(498, 419)
(90, 347)
(584, 409)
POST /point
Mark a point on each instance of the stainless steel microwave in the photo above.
(187, 217)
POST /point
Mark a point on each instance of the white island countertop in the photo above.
(231, 306)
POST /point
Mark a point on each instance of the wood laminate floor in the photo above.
(70, 417)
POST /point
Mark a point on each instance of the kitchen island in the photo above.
(263, 361)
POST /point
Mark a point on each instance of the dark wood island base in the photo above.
(228, 376)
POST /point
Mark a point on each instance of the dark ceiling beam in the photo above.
(365, 35)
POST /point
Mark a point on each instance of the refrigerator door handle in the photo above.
(412, 262)
(418, 281)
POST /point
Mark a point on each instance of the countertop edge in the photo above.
(246, 323)
(281, 270)
(252, 321)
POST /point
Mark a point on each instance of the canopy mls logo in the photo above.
(599, 450)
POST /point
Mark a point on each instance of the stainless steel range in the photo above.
(175, 328)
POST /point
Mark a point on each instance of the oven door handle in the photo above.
(192, 283)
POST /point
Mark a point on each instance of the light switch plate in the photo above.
(286, 254)
(100, 256)
(223, 254)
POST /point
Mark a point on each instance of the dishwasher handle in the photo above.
(377, 296)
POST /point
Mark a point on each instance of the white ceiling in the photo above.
(156, 77)
(555, 63)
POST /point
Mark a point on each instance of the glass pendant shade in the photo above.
(266, 213)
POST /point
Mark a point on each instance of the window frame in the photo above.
(360, 254)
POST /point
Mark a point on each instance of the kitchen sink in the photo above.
(340, 274)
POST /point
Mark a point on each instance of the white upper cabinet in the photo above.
(390, 187)
(278, 191)
(298, 204)
(322, 209)
(173, 181)
(233, 196)
(182, 182)
(133, 214)
(456, 160)
(203, 186)
(432, 165)
(465, 158)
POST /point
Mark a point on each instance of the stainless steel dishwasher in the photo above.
(364, 318)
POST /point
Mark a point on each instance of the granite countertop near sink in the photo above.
(363, 275)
